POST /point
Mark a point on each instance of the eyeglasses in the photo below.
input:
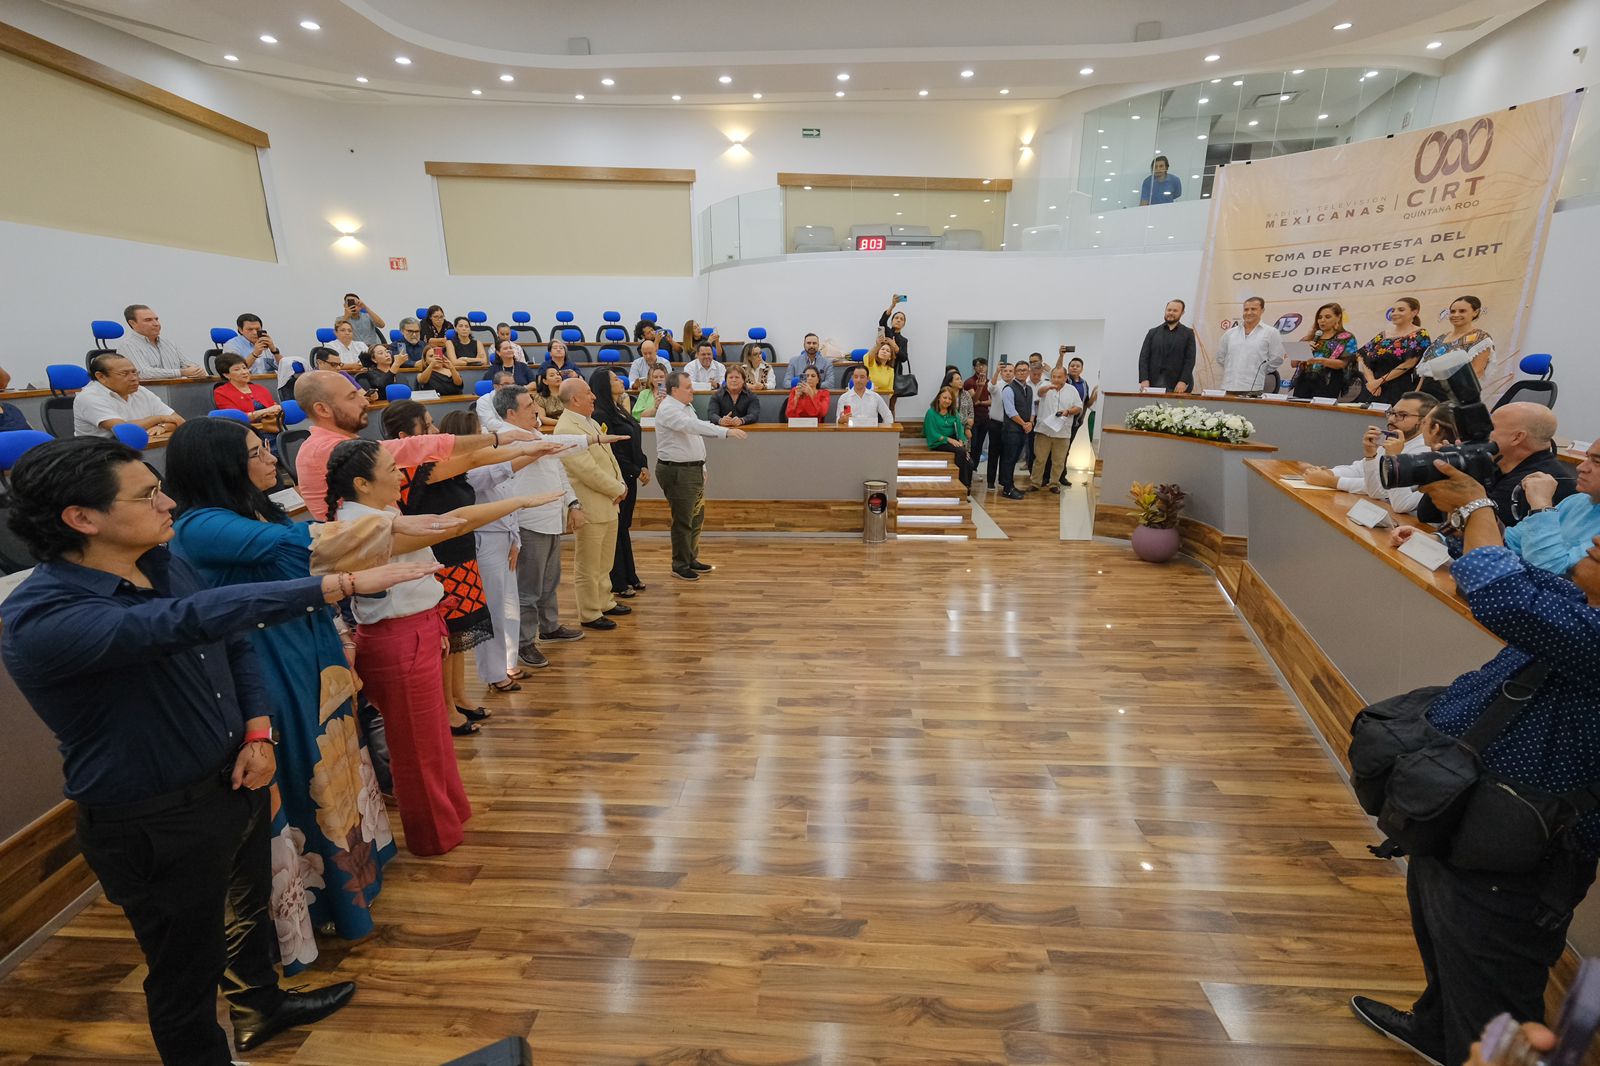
(1395, 416)
(255, 453)
(149, 497)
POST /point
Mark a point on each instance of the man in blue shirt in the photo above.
(151, 686)
(1160, 187)
(1488, 940)
(253, 345)
(810, 358)
(1556, 536)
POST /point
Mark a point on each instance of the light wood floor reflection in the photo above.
(996, 802)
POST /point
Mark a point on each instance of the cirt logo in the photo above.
(1463, 150)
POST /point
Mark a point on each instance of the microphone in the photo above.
(1261, 373)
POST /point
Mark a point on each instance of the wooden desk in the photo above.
(1318, 433)
(1211, 472)
(827, 463)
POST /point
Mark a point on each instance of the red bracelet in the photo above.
(258, 734)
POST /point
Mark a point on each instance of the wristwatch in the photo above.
(1458, 517)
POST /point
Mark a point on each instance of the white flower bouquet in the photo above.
(1190, 421)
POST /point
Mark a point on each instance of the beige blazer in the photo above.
(595, 475)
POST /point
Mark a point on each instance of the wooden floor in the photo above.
(993, 802)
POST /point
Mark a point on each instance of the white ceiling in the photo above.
(788, 52)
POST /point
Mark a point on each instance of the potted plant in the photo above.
(1155, 539)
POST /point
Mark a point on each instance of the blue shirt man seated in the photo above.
(1160, 187)
(810, 358)
(1488, 940)
(1557, 536)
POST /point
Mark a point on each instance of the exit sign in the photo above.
(870, 244)
(398, 262)
(811, 131)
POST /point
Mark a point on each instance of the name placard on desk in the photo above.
(1379, 407)
(802, 423)
(1213, 392)
(1582, 445)
(1426, 550)
(1152, 389)
(1278, 396)
(1366, 513)
(289, 499)
(424, 394)
(1325, 401)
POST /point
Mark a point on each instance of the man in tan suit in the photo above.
(597, 480)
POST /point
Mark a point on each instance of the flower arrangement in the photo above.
(1158, 505)
(1190, 421)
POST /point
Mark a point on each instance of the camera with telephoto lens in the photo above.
(1474, 456)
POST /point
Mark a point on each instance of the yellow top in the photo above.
(882, 376)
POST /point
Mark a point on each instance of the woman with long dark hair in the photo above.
(612, 414)
(1333, 349)
(401, 642)
(1386, 362)
(331, 833)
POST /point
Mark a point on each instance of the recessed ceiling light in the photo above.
(922, 92)
(1212, 58)
(1106, 147)
(986, 181)
(1239, 82)
(897, 194)
(807, 188)
(1194, 177)
(726, 79)
(967, 73)
(1203, 100)
(1005, 92)
(1086, 71)
(362, 78)
(1254, 122)
(841, 77)
(1108, 160)
(230, 57)
(897, 213)
(507, 78)
(952, 216)
(988, 199)
(675, 96)
(1372, 74)
(477, 92)
(1052, 207)
(307, 24)
(608, 82)
(1322, 118)
(577, 96)
(267, 38)
(1134, 117)
(1298, 70)
(1435, 44)
(755, 96)
(404, 61)
(1200, 137)
(1343, 25)
(1108, 179)
(1216, 81)
(1285, 98)
(839, 93)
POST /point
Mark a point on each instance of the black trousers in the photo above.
(1482, 950)
(194, 881)
(963, 462)
(996, 434)
(979, 433)
(1012, 441)
(623, 572)
(1330, 383)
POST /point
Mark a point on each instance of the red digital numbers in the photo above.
(870, 244)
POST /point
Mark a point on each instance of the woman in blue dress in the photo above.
(331, 834)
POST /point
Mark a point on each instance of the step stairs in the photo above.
(930, 502)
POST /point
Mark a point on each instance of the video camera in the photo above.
(1474, 455)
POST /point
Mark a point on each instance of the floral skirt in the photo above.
(465, 607)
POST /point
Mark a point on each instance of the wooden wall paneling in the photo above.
(883, 181)
(41, 873)
(52, 56)
(1203, 543)
(554, 173)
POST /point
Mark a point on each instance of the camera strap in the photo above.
(1515, 692)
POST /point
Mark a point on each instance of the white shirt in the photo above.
(866, 409)
(491, 484)
(706, 375)
(95, 404)
(1245, 358)
(639, 369)
(1361, 477)
(680, 432)
(548, 474)
(156, 362)
(1056, 411)
(405, 599)
(352, 354)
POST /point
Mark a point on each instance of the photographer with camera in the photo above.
(1404, 436)
(1523, 437)
(1490, 905)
